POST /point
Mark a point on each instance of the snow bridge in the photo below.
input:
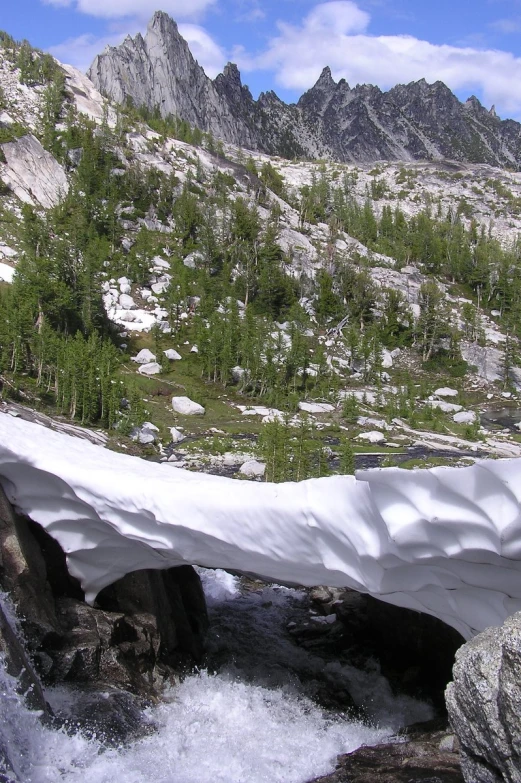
(446, 541)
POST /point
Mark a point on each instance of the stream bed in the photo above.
(252, 716)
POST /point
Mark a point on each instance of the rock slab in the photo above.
(484, 704)
(187, 407)
(32, 173)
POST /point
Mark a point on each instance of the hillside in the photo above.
(320, 314)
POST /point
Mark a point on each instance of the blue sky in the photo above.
(474, 47)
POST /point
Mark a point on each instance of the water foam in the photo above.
(211, 729)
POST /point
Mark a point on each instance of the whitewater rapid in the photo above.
(236, 726)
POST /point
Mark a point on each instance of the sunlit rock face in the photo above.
(32, 173)
(417, 121)
(446, 541)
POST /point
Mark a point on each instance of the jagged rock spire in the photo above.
(413, 121)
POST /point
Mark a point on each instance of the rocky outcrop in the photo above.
(159, 71)
(142, 628)
(425, 757)
(417, 121)
(32, 173)
(484, 704)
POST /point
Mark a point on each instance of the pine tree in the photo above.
(347, 457)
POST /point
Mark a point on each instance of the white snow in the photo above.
(445, 540)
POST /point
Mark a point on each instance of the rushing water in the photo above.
(254, 721)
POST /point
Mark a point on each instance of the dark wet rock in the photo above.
(421, 757)
(484, 704)
(19, 665)
(143, 628)
(112, 716)
(414, 651)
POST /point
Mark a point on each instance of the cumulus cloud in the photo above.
(113, 9)
(507, 26)
(336, 34)
(205, 50)
(81, 51)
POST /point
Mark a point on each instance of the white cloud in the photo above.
(81, 51)
(205, 50)
(141, 9)
(507, 26)
(335, 34)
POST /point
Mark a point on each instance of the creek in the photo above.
(256, 714)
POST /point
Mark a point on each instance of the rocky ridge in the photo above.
(418, 121)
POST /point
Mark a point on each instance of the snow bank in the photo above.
(446, 541)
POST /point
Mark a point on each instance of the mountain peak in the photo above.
(232, 73)
(325, 80)
(330, 120)
(161, 19)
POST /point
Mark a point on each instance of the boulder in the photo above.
(144, 434)
(484, 704)
(232, 459)
(387, 359)
(126, 302)
(165, 327)
(172, 355)
(445, 391)
(423, 757)
(160, 288)
(187, 407)
(374, 436)
(237, 373)
(446, 407)
(253, 468)
(6, 272)
(193, 259)
(465, 417)
(144, 357)
(152, 368)
(489, 363)
(177, 435)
